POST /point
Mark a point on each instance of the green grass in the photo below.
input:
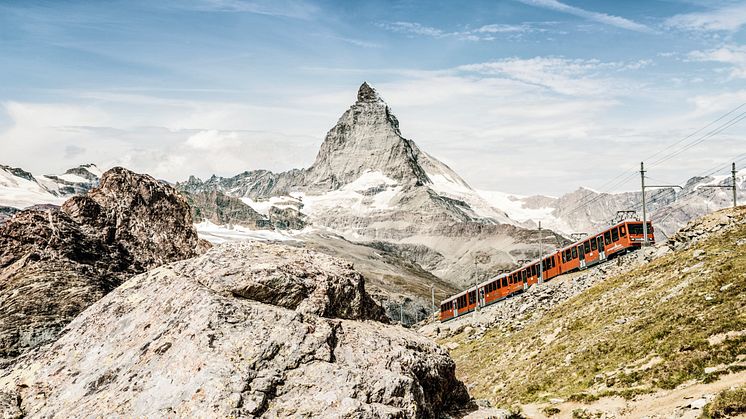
(606, 356)
(727, 403)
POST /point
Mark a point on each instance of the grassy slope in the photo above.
(632, 333)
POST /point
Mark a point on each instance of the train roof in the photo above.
(596, 233)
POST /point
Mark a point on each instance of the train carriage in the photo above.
(597, 248)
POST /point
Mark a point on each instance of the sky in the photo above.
(521, 96)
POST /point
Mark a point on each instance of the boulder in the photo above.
(246, 330)
(55, 262)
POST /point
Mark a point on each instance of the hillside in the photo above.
(659, 337)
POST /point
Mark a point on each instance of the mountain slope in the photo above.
(642, 328)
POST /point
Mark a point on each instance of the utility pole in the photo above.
(732, 187)
(541, 258)
(432, 296)
(644, 207)
(733, 177)
(476, 285)
(645, 240)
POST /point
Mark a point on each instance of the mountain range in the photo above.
(405, 219)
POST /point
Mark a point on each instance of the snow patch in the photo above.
(20, 193)
(454, 188)
(222, 234)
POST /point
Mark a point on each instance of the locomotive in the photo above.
(594, 249)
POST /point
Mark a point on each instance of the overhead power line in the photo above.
(621, 179)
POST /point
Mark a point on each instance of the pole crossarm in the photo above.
(663, 186)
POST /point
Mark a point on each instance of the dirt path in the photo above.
(683, 402)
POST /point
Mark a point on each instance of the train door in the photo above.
(581, 256)
(601, 250)
(480, 302)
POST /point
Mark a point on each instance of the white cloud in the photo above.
(51, 137)
(213, 140)
(286, 8)
(604, 18)
(734, 55)
(576, 77)
(730, 18)
(412, 28)
(483, 33)
(544, 125)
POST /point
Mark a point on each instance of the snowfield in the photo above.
(221, 234)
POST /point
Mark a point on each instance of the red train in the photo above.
(597, 248)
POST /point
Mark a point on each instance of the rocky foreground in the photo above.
(248, 329)
(55, 262)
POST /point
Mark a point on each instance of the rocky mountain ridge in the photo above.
(56, 261)
(20, 189)
(586, 210)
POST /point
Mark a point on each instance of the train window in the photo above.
(607, 237)
(634, 228)
(622, 231)
(505, 281)
(614, 234)
(574, 252)
(525, 275)
(563, 257)
(587, 247)
(568, 255)
(650, 227)
(593, 244)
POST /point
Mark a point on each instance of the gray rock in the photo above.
(204, 338)
(55, 262)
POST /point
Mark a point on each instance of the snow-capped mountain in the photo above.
(371, 184)
(585, 210)
(20, 189)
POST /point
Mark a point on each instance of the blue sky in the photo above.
(525, 96)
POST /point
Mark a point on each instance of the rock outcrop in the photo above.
(55, 262)
(220, 209)
(246, 330)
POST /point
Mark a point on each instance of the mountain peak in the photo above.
(366, 93)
